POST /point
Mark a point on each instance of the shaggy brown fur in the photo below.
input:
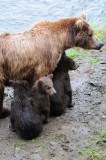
(61, 81)
(39, 49)
(24, 117)
(40, 93)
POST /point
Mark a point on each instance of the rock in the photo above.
(103, 68)
(103, 117)
(53, 143)
(36, 157)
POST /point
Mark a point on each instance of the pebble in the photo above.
(103, 117)
(103, 68)
(36, 157)
(53, 144)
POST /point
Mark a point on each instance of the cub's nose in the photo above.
(54, 91)
(76, 66)
(102, 44)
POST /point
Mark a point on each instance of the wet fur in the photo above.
(40, 97)
(61, 81)
(24, 117)
(38, 49)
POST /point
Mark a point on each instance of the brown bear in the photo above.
(39, 95)
(61, 81)
(39, 48)
(24, 117)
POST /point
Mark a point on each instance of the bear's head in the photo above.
(45, 85)
(80, 34)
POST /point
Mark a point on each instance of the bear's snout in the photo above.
(97, 44)
(101, 44)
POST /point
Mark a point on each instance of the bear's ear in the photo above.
(50, 76)
(83, 16)
(79, 23)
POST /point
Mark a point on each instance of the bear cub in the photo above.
(40, 93)
(24, 117)
(61, 81)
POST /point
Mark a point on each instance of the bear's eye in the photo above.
(90, 35)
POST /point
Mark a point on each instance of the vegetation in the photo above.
(98, 32)
(96, 150)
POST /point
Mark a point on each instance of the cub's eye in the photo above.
(48, 87)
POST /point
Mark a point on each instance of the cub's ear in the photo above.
(63, 55)
(83, 16)
(39, 82)
(79, 23)
(50, 76)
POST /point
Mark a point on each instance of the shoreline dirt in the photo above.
(65, 136)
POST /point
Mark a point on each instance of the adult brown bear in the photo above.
(38, 49)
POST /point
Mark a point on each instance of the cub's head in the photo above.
(45, 85)
(81, 34)
(66, 63)
(19, 83)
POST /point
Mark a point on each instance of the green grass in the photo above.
(94, 151)
(93, 154)
(77, 52)
(33, 140)
(97, 32)
(102, 134)
(19, 144)
(94, 61)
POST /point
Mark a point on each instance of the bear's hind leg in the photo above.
(12, 125)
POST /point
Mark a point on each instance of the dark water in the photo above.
(19, 15)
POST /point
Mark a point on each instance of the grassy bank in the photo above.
(96, 150)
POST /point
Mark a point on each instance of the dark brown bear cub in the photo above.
(40, 93)
(24, 117)
(61, 81)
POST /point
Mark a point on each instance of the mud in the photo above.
(65, 136)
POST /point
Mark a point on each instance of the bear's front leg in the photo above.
(46, 111)
(3, 111)
(71, 104)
